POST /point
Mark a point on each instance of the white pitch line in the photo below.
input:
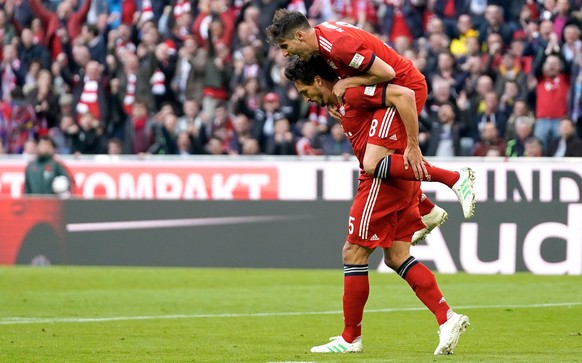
(25, 320)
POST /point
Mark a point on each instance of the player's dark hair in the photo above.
(285, 24)
(305, 71)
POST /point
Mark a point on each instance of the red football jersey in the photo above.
(360, 104)
(351, 51)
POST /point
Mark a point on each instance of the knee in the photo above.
(390, 262)
(355, 255)
(394, 260)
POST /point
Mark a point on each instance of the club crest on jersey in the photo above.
(332, 64)
(357, 61)
(370, 90)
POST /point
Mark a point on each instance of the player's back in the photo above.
(351, 51)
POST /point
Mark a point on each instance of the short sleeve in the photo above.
(352, 53)
(367, 96)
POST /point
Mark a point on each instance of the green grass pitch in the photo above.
(73, 314)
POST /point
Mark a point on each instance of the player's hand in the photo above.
(413, 158)
(334, 113)
(339, 90)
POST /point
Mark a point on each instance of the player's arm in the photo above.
(405, 102)
(354, 54)
(378, 72)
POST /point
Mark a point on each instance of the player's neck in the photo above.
(311, 41)
(333, 99)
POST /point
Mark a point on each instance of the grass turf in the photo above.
(231, 315)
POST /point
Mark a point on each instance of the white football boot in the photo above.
(432, 220)
(465, 191)
(339, 345)
(450, 332)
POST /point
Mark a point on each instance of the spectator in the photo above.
(215, 146)
(87, 138)
(165, 136)
(494, 24)
(464, 31)
(491, 114)
(191, 116)
(533, 147)
(217, 75)
(90, 95)
(183, 144)
(45, 100)
(250, 147)
(509, 95)
(12, 72)
(490, 143)
(42, 171)
(282, 141)
(553, 85)
(63, 136)
(114, 147)
(265, 118)
(7, 31)
(30, 51)
(336, 143)
(308, 144)
(520, 108)
(242, 132)
(219, 127)
(64, 19)
(509, 70)
(189, 75)
(523, 131)
(139, 127)
(444, 138)
(452, 13)
(572, 47)
(567, 144)
(539, 39)
(401, 19)
(95, 41)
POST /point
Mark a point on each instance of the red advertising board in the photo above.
(158, 180)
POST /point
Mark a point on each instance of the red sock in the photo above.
(395, 169)
(422, 281)
(425, 205)
(356, 291)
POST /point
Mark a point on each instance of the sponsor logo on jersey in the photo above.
(357, 61)
(374, 237)
(370, 90)
(393, 137)
(332, 64)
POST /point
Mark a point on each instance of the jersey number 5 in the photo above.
(351, 225)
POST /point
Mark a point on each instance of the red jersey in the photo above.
(351, 51)
(366, 119)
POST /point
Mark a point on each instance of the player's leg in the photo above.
(423, 283)
(356, 291)
(368, 226)
(383, 166)
(432, 217)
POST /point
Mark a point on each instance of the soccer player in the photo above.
(360, 59)
(384, 214)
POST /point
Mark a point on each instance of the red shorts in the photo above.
(387, 128)
(384, 211)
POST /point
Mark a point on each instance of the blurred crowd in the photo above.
(196, 77)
